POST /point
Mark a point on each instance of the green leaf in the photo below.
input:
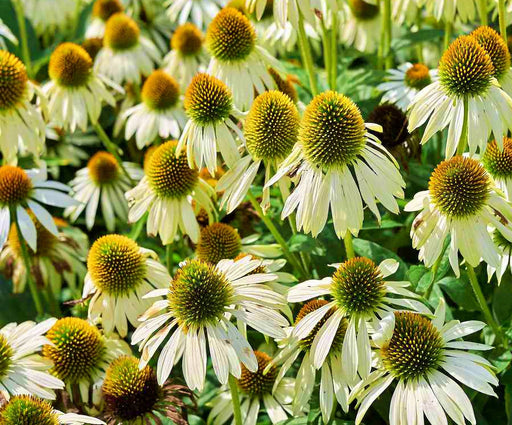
(502, 301)
(304, 243)
(460, 292)
(378, 253)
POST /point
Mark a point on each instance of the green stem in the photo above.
(419, 46)
(433, 270)
(448, 30)
(326, 41)
(334, 51)
(168, 257)
(137, 228)
(112, 148)
(482, 9)
(463, 142)
(307, 57)
(237, 413)
(484, 307)
(503, 19)
(55, 306)
(25, 52)
(277, 235)
(387, 33)
(349, 246)
(34, 291)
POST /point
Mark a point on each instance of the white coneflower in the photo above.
(25, 409)
(170, 190)
(75, 93)
(80, 354)
(358, 291)
(200, 12)
(200, 303)
(125, 54)
(360, 25)
(49, 17)
(211, 127)
(461, 201)
(103, 183)
(159, 114)
(133, 396)
(6, 33)
(20, 189)
(466, 86)
(256, 387)
(219, 241)
(425, 357)
(405, 11)
(187, 56)
(57, 260)
(237, 59)
(334, 142)
(287, 11)
(22, 369)
(102, 10)
(493, 43)
(499, 165)
(333, 384)
(22, 127)
(405, 82)
(449, 10)
(66, 149)
(119, 274)
(270, 130)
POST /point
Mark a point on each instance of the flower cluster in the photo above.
(228, 212)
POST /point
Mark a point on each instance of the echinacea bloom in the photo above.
(270, 131)
(461, 201)
(126, 54)
(201, 12)
(187, 56)
(449, 10)
(22, 369)
(57, 259)
(159, 114)
(104, 183)
(237, 59)
(20, 189)
(26, 409)
(67, 149)
(425, 357)
(132, 395)
(256, 388)
(492, 42)
(101, 11)
(22, 127)
(75, 93)
(357, 290)
(220, 241)
(49, 17)
(334, 143)
(80, 354)
(200, 303)
(119, 274)
(466, 86)
(211, 126)
(395, 137)
(405, 82)
(333, 384)
(171, 191)
(360, 25)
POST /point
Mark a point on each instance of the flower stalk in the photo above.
(277, 235)
(34, 291)
(307, 57)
